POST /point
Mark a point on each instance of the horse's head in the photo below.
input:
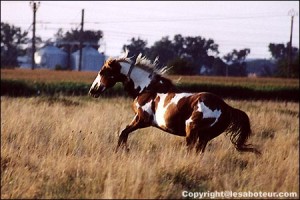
(136, 77)
(107, 77)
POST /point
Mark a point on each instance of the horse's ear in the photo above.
(110, 61)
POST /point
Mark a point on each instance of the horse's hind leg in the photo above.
(191, 140)
(201, 145)
(191, 135)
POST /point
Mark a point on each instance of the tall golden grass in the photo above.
(64, 148)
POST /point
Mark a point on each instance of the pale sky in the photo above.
(231, 24)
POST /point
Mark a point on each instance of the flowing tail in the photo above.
(239, 130)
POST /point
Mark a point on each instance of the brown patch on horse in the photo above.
(168, 98)
(175, 119)
(145, 117)
(212, 101)
(111, 67)
(135, 109)
(176, 114)
(145, 98)
(156, 101)
(186, 105)
(160, 84)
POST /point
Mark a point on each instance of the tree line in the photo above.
(190, 55)
(187, 55)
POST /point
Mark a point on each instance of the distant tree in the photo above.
(181, 66)
(280, 53)
(196, 51)
(188, 53)
(163, 48)
(88, 36)
(219, 67)
(59, 35)
(199, 48)
(236, 62)
(12, 41)
(136, 47)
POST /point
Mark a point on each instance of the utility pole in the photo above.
(34, 6)
(81, 40)
(292, 13)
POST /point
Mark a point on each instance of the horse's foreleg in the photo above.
(134, 125)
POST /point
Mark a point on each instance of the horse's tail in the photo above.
(239, 130)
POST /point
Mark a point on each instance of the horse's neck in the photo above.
(140, 81)
(140, 78)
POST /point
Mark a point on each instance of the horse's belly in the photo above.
(171, 124)
(169, 117)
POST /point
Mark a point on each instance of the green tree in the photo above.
(136, 47)
(280, 53)
(236, 62)
(88, 36)
(198, 49)
(163, 48)
(180, 66)
(219, 67)
(194, 52)
(188, 53)
(12, 41)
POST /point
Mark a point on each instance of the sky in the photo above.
(231, 24)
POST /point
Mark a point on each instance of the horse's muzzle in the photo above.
(96, 92)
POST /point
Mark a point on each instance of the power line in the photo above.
(181, 20)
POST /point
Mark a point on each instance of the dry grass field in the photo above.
(64, 148)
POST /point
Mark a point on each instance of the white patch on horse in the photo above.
(159, 117)
(208, 113)
(188, 121)
(160, 110)
(97, 83)
(147, 107)
(179, 96)
(139, 77)
(124, 67)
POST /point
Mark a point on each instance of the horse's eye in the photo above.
(105, 73)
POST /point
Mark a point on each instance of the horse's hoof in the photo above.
(125, 148)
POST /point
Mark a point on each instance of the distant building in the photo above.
(24, 61)
(92, 60)
(50, 57)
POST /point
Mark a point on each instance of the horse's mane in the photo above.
(124, 57)
(143, 63)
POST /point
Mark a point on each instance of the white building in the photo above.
(50, 57)
(92, 60)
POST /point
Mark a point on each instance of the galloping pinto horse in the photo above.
(199, 117)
